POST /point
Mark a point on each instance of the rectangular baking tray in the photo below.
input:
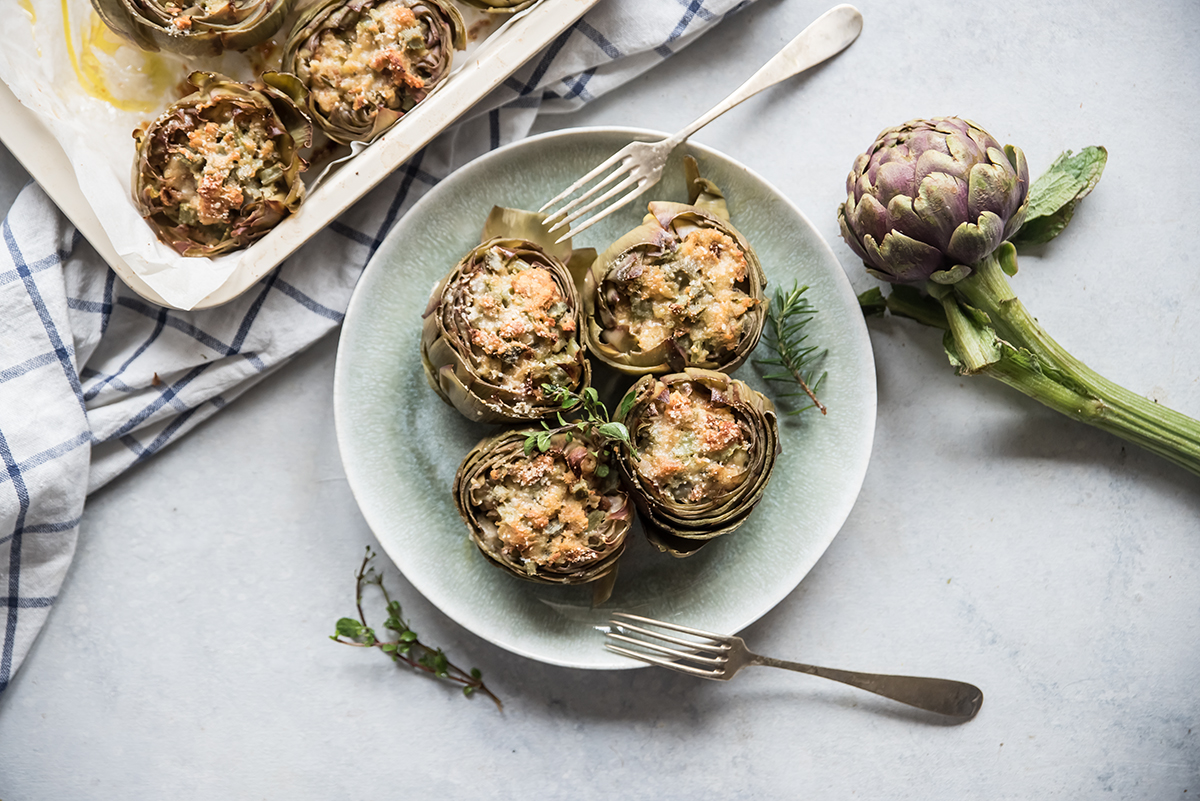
(32, 144)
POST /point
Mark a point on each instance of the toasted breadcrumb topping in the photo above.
(219, 167)
(692, 296)
(545, 512)
(520, 325)
(692, 449)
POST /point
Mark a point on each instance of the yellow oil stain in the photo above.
(27, 7)
(156, 72)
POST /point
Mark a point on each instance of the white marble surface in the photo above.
(993, 541)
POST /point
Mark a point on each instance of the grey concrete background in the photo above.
(994, 541)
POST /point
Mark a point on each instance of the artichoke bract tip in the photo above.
(932, 197)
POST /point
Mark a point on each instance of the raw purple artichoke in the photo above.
(930, 198)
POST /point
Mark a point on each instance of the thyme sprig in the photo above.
(787, 316)
(593, 423)
(406, 648)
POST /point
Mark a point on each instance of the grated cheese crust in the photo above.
(692, 449)
(693, 296)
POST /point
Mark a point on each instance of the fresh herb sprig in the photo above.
(797, 362)
(406, 648)
(593, 423)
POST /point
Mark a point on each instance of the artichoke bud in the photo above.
(931, 198)
(528, 513)
(683, 289)
(221, 167)
(504, 322)
(367, 63)
(193, 29)
(704, 448)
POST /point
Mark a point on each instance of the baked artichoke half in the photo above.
(684, 289)
(506, 321)
(367, 63)
(500, 6)
(221, 167)
(704, 447)
(194, 27)
(553, 516)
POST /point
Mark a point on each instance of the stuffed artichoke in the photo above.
(506, 321)
(194, 27)
(366, 63)
(500, 6)
(684, 289)
(553, 516)
(704, 446)
(221, 167)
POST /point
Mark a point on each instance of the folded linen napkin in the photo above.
(94, 379)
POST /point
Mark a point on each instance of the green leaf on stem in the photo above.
(349, 627)
(407, 649)
(1054, 196)
(872, 302)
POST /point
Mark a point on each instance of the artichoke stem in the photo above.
(976, 345)
(1081, 393)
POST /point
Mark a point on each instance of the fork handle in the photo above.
(828, 35)
(944, 696)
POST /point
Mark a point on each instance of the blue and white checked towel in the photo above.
(94, 379)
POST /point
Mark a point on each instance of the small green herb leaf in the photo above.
(349, 627)
(408, 649)
(616, 431)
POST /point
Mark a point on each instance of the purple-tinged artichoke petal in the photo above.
(941, 204)
(908, 260)
(500, 6)
(192, 29)
(931, 195)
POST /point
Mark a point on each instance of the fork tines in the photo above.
(624, 177)
(704, 656)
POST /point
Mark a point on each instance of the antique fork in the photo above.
(641, 163)
(716, 656)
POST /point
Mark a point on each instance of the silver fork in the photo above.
(641, 163)
(720, 657)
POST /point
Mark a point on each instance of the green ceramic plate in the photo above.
(401, 445)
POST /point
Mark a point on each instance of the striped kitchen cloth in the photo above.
(94, 379)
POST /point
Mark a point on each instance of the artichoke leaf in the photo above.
(500, 6)
(159, 24)
(505, 223)
(350, 102)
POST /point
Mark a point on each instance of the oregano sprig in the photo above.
(593, 422)
(787, 316)
(406, 648)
